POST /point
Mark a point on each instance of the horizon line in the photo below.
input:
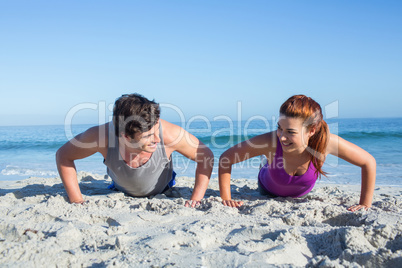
(95, 124)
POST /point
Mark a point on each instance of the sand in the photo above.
(39, 228)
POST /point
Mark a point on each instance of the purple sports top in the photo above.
(275, 180)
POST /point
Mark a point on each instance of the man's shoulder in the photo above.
(99, 133)
(104, 128)
(168, 125)
(171, 132)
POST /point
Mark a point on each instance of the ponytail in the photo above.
(317, 145)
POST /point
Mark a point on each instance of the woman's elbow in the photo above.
(370, 162)
(225, 161)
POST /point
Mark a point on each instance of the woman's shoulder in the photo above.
(265, 143)
(333, 143)
(269, 138)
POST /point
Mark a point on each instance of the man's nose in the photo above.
(157, 139)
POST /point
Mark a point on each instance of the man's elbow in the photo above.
(58, 156)
(206, 158)
(209, 158)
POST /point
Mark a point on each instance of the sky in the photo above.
(68, 61)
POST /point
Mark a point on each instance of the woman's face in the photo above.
(292, 135)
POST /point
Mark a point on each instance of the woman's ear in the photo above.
(312, 131)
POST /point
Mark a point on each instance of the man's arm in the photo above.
(177, 139)
(82, 146)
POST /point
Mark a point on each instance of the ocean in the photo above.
(29, 151)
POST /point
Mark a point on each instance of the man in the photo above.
(137, 147)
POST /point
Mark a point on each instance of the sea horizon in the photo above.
(176, 122)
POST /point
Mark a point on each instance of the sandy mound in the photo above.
(40, 228)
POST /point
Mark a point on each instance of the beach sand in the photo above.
(39, 228)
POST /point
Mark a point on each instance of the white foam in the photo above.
(19, 171)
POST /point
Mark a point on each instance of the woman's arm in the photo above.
(359, 157)
(258, 145)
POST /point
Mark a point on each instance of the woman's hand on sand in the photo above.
(358, 207)
(232, 203)
(192, 203)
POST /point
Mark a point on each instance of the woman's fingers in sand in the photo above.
(232, 203)
(358, 207)
(192, 203)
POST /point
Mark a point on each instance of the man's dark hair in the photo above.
(133, 113)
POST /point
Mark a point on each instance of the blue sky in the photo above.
(202, 56)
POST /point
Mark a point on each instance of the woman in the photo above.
(295, 154)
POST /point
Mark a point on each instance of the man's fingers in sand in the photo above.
(358, 207)
(232, 203)
(83, 202)
(192, 203)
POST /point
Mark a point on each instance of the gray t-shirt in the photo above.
(148, 179)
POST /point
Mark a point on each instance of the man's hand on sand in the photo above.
(82, 202)
(232, 203)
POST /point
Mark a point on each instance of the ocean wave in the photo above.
(225, 139)
(234, 139)
(19, 171)
(27, 145)
(370, 134)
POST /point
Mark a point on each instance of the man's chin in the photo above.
(150, 149)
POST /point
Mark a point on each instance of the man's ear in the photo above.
(126, 137)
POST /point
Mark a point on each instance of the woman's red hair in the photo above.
(300, 106)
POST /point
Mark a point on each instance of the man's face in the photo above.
(145, 141)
